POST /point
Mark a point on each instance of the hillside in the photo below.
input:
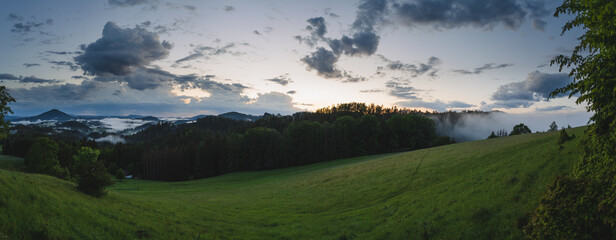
(473, 190)
(53, 114)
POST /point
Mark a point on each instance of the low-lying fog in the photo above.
(472, 127)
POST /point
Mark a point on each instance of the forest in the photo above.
(214, 145)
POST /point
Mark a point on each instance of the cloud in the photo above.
(437, 105)
(324, 62)
(542, 84)
(120, 50)
(70, 65)
(6, 76)
(369, 14)
(552, 109)
(53, 93)
(535, 88)
(140, 79)
(402, 89)
(27, 65)
(127, 3)
(282, 79)
(15, 17)
(29, 26)
(31, 79)
(229, 8)
(413, 70)
(292, 92)
(479, 70)
(537, 11)
(448, 14)
(317, 29)
(64, 52)
(206, 52)
(363, 42)
(371, 91)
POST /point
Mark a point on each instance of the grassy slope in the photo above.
(474, 190)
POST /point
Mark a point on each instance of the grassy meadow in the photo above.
(473, 190)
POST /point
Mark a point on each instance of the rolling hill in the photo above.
(474, 190)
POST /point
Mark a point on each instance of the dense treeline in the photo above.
(213, 146)
(277, 142)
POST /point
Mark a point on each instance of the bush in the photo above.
(562, 215)
(564, 137)
(120, 174)
(92, 176)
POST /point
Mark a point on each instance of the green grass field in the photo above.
(473, 190)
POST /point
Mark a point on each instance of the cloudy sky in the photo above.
(184, 58)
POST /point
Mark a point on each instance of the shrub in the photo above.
(564, 137)
(120, 174)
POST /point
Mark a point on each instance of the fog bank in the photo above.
(470, 127)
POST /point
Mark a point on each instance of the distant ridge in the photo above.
(53, 114)
(240, 116)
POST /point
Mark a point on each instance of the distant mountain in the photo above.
(53, 114)
(240, 116)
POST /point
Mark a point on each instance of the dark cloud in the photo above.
(363, 42)
(120, 50)
(128, 3)
(64, 52)
(29, 26)
(31, 79)
(229, 8)
(206, 83)
(317, 29)
(206, 52)
(292, 92)
(282, 79)
(552, 109)
(140, 79)
(450, 14)
(369, 14)
(479, 70)
(402, 89)
(54, 93)
(70, 65)
(6, 76)
(256, 32)
(15, 17)
(80, 77)
(413, 70)
(324, 62)
(542, 84)
(537, 11)
(535, 88)
(27, 65)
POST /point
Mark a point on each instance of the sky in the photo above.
(186, 58)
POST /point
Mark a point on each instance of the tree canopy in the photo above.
(582, 205)
(5, 100)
